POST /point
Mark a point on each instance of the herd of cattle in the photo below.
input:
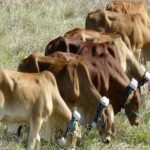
(85, 78)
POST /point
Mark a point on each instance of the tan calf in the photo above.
(31, 99)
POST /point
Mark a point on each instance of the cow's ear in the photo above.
(29, 64)
(63, 45)
(74, 78)
(68, 82)
(83, 75)
(111, 18)
(48, 47)
(108, 20)
(32, 63)
(36, 66)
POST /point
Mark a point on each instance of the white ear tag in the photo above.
(104, 101)
(122, 110)
(133, 84)
(147, 76)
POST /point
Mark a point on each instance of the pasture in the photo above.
(28, 25)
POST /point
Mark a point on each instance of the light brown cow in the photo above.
(127, 7)
(131, 28)
(76, 89)
(33, 99)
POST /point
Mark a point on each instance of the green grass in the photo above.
(30, 26)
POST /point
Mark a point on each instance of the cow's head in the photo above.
(98, 20)
(133, 103)
(94, 108)
(104, 120)
(72, 133)
(106, 126)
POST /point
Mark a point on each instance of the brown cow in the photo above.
(112, 43)
(32, 99)
(76, 89)
(102, 20)
(131, 28)
(65, 44)
(127, 7)
(104, 72)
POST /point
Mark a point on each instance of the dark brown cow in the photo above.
(127, 7)
(111, 44)
(75, 87)
(75, 46)
(106, 74)
(131, 28)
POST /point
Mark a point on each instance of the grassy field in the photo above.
(29, 25)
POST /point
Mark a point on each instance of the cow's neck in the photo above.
(117, 93)
(61, 109)
(88, 106)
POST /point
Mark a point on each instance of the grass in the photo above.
(29, 26)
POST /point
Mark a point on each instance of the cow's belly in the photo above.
(14, 115)
(15, 119)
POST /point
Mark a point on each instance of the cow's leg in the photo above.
(18, 133)
(38, 140)
(34, 138)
